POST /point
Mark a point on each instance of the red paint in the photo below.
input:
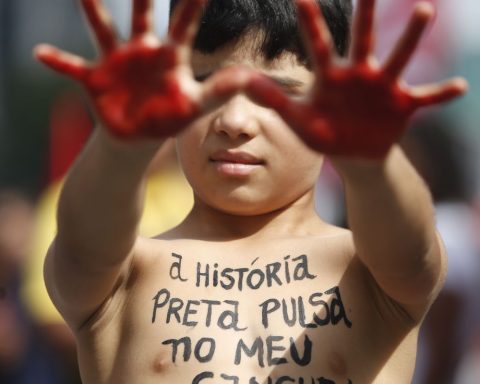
(318, 36)
(136, 92)
(101, 26)
(140, 17)
(136, 88)
(363, 31)
(70, 127)
(265, 91)
(60, 62)
(357, 110)
(185, 16)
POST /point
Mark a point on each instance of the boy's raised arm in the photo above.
(355, 113)
(391, 216)
(143, 91)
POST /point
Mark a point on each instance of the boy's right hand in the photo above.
(145, 88)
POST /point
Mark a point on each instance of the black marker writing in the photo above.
(254, 278)
(204, 375)
(186, 312)
(176, 268)
(203, 351)
(210, 304)
(270, 380)
(271, 345)
(271, 348)
(233, 379)
(304, 360)
(337, 309)
(256, 349)
(293, 310)
(322, 380)
(229, 319)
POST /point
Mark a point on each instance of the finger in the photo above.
(428, 95)
(141, 17)
(63, 62)
(101, 23)
(267, 93)
(184, 24)
(407, 45)
(316, 32)
(363, 36)
(223, 85)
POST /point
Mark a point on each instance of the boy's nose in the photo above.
(236, 119)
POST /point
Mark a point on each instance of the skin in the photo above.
(242, 126)
(380, 103)
(253, 178)
(117, 86)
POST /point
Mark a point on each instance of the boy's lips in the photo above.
(235, 163)
(235, 157)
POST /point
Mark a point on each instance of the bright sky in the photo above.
(121, 10)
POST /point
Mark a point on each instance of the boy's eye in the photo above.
(292, 91)
(201, 78)
(290, 86)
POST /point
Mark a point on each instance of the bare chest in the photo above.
(244, 319)
(289, 317)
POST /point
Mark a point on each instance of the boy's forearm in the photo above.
(391, 215)
(102, 200)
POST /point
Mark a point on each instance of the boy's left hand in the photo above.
(358, 108)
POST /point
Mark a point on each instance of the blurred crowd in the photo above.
(44, 122)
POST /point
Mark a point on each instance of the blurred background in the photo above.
(45, 121)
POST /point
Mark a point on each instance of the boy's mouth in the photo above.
(235, 163)
(235, 157)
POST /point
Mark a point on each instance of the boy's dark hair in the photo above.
(226, 21)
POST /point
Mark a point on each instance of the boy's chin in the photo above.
(241, 209)
(238, 205)
(245, 207)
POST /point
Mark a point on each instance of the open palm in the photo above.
(144, 87)
(356, 108)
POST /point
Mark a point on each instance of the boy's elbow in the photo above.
(417, 286)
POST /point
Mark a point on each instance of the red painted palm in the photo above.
(144, 87)
(357, 107)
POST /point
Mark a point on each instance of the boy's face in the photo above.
(242, 158)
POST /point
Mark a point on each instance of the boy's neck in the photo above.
(207, 223)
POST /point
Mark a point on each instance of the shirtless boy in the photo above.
(253, 287)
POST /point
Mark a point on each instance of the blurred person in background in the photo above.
(26, 86)
(38, 148)
(27, 90)
(70, 125)
(447, 335)
(24, 359)
(167, 192)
